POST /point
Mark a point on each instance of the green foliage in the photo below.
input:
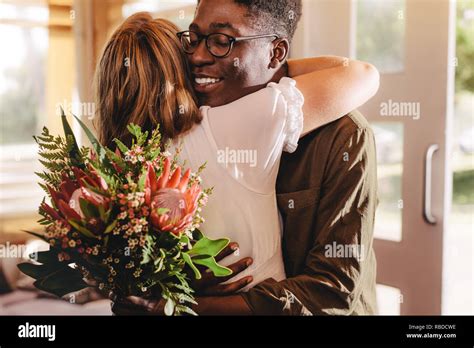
(464, 47)
(140, 136)
(463, 183)
(165, 254)
(54, 152)
(203, 253)
(52, 275)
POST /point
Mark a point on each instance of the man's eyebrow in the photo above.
(221, 25)
(213, 25)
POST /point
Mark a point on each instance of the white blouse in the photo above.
(242, 143)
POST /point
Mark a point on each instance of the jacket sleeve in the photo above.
(340, 262)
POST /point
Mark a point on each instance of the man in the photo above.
(326, 189)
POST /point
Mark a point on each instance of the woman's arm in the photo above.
(332, 87)
(297, 67)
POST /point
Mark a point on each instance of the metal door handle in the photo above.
(427, 194)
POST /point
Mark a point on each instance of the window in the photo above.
(380, 33)
(24, 34)
(180, 12)
(389, 143)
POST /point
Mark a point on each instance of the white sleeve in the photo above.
(251, 132)
(293, 111)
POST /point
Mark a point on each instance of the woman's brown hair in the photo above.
(143, 78)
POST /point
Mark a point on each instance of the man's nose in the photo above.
(201, 55)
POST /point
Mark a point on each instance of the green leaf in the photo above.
(115, 158)
(100, 151)
(40, 236)
(82, 229)
(106, 241)
(210, 263)
(141, 181)
(74, 152)
(111, 227)
(39, 271)
(197, 234)
(62, 282)
(89, 209)
(45, 257)
(186, 309)
(184, 239)
(206, 246)
(122, 147)
(158, 264)
(167, 240)
(190, 263)
(103, 216)
(185, 297)
(61, 277)
(169, 307)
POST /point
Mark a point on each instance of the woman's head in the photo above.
(143, 78)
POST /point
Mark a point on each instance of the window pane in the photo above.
(22, 99)
(180, 12)
(380, 33)
(35, 11)
(389, 143)
(388, 300)
(24, 34)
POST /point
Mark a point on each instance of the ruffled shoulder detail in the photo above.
(294, 111)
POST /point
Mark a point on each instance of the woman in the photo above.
(143, 78)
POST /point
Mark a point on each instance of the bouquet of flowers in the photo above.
(125, 221)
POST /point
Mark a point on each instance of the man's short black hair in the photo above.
(274, 16)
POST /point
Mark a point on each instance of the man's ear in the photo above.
(279, 53)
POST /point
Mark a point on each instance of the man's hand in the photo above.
(208, 285)
(133, 305)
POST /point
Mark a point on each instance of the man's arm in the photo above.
(222, 305)
(333, 283)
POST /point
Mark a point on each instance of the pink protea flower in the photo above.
(172, 194)
(66, 199)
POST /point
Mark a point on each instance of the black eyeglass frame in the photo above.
(231, 38)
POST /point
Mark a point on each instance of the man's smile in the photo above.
(203, 83)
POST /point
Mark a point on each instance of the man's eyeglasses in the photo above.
(218, 44)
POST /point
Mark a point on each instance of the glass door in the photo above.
(412, 45)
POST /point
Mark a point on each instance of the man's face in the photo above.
(244, 71)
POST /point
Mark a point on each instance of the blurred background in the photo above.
(424, 50)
